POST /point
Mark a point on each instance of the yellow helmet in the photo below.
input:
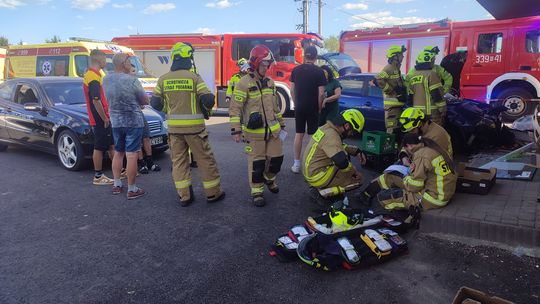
(395, 50)
(355, 118)
(181, 50)
(411, 119)
(425, 56)
(241, 62)
(432, 49)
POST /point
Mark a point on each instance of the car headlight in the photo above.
(165, 126)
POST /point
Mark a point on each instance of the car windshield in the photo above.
(140, 69)
(65, 93)
(340, 60)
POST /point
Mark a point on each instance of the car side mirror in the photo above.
(33, 106)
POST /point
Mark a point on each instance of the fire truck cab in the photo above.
(500, 58)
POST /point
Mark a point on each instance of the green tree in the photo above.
(4, 41)
(332, 43)
(54, 39)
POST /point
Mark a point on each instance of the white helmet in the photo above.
(536, 124)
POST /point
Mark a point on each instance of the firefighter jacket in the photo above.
(232, 83)
(318, 167)
(255, 99)
(391, 83)
(446, 77)
(427, 90)
(180, 91)
(439, 135)
(431, 177)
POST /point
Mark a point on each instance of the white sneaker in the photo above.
(295, 169)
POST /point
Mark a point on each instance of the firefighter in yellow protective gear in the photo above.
(431, 182)
(426, 87)
(413, 121)
(446, 77)
(394, 90)
(186, 100)
(254, 113)
(326, 164)
(243, 65)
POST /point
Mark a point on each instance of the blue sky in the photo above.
(33, 21)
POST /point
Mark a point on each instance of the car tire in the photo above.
(3, 147)
(284, 103)
(515, 99)
(70, 151)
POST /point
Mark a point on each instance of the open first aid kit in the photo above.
(372, 242)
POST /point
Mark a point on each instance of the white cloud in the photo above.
(205, 30)
(398, 1)
(234, 33)
(130, 27)
(355, 6)
(221, 4)
(88, 5)
(411, 11)
(158, 8)
(385, 18)
(16, 3)
(125, 5)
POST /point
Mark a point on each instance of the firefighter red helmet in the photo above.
(259, 54)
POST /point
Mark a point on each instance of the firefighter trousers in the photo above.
(202, 153)
(391, 116)
(390, 180)
(396, 199)
(343, 180)
(264, 161)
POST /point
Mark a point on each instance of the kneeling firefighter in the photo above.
(327, 167)
(413, 121)
(431, 182)
(185, 98)
(254, 113)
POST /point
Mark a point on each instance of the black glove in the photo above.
(207, 103)
(156, 103)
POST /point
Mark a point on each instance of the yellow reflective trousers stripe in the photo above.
(211, 184)
(183, 184)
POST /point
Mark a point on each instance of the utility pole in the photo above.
(305, 16)
(320, 17)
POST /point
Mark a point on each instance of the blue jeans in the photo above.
(127, 139)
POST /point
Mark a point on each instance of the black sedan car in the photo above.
(49, 114)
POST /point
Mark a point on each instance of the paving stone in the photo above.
(526, 216)
(491, 218)
(477, 215)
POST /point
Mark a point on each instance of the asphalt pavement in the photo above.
(63, 240)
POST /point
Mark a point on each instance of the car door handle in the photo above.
(368, 104)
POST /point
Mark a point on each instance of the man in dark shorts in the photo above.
(145, 161)
(98, 115)
(307, 89)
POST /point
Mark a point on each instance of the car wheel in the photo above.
(284, 102)
(70, 151)
(517, 101)
(3, 147)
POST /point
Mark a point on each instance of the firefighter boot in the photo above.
(258, 200)
(185, 203)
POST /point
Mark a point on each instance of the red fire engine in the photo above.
(502, 59)
(216, 55)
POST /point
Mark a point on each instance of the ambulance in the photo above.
(68, 59)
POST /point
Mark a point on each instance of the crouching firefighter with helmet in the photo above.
(326, 164)
(412, 121)
(254, 113)
(431, 182)
(394, 90)
(186, 100)
(426, 88)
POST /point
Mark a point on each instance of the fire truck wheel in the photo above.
(517, 101)
(284, 102)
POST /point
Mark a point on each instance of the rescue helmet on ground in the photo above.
(425, 56)
(182, 50)
(395, 50)
(340, 220)
(355, 118)
(536, 125)
(259, 54)
(432, 49)
(411, 118)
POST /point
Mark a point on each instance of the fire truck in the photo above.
(215, 57)
(494, 61)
